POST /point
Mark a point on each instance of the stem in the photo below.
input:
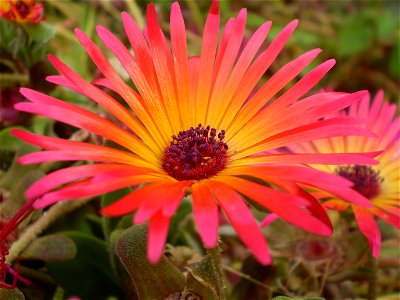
(216, 255)
(48, 217)
(373, 282)
(15, 77)
(246, 276)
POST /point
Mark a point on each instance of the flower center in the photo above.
(197, 153)
(366, 180)
(23, 9)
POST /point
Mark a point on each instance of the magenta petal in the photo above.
(369, 229)
(242, 220)
(205, 212)
(157, 236)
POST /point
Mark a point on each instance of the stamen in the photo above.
(197, 153)
(366, 180)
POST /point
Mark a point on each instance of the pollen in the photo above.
(197, 153)
(366, 180)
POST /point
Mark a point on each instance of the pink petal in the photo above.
(81, 118)
(150, 95)
(270, 218)
(179, 49)
(207, 58)
(278, 81)
(130, 202)
(175, 196)
(283, 204)
(336, 185)
(228, 59)
(313, 206)
(205, 212)
(88, 189)
(369, 228)
(309, 158)
(66, 175)
(165, 196)
(310, 132)
(390, 218)
(303, 86)
(256, 71)
(140, 47)
(222, 46)
(157, 236)
(164, 75)
(242, 220)
(99, 96)
(242, 65)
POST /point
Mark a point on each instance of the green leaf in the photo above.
(356, 36)
(11, 294)
(204, 280)
(151, 281)
(8, 141)
(41, 33)
(109, 224)
(53, 247)
(180, 220)
(17, 180)
(13, 37)
(387, 23)
(9, 144)
(91, 266)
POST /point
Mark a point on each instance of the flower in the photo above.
(22, 11)
(199, 126)
(381, 183)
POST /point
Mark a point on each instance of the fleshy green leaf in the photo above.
(204, 280)
(53, 247)
(13, 37)
(356, 36)
(11, 294)
(151, 281)
(88, 274)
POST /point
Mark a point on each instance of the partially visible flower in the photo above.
(8, 114)
(21, 11)
(381, 183)
(199, 126)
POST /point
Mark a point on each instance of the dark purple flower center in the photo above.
(366, 180)
(196, 153)
(23, 9)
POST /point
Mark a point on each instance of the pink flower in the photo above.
(199, 126)
(380, 184)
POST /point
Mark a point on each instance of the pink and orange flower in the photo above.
(22, 11)
(381, 183)
(198, 125)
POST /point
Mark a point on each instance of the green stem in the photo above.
(246, 276)
(14, 77)
(41, 224)
(216, 255)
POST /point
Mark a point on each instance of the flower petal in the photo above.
(284, 205)
(242, 220)
(158, 229)
(369, 229)
(205, 212)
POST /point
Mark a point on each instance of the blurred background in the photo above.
(362, 35)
